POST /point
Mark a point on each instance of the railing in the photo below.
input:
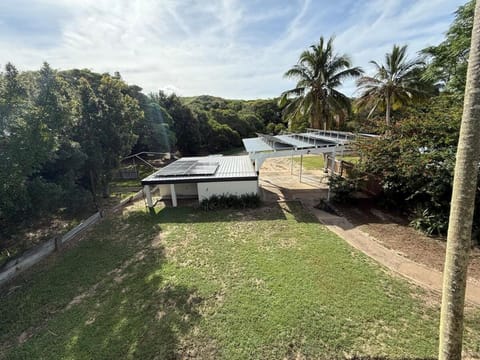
(15, 266)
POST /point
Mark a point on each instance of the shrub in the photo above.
(225, 201)
(342, 188)
(431, 223)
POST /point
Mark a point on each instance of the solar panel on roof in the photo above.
(203, 168)
(188, 168)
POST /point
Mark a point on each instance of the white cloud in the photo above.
(198, 47)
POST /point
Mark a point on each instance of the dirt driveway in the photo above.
(280, 181)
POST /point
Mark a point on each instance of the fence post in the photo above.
(58, 242)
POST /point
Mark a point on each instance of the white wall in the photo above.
(182, 190)
(207, 189)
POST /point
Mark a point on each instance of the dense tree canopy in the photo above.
(63, 134)
(448, 60)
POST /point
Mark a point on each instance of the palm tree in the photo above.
(319, 72)
(397, 82)
(462, 208)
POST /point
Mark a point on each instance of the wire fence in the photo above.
(16, 266)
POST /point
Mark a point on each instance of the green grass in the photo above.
(264, 284)
(315, 162)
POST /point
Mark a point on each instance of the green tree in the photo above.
(395, 83)
(462, 208)
(185, 124)
(448, 60)
(231, 118)
(319, 73)
(105, 129)
(35, 127)
(414, 164)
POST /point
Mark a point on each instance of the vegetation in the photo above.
(414, 161)
(465, 183)
(263, 283)
(317, 162)
(395, 83)
(448, 60)
(63, 133)
(316, 101)
(243, 201)
(414, 164)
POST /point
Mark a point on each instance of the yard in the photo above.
(316, 162)
(264, 283)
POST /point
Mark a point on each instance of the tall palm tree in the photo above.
(397, 82)
(319, 72)
(462, 208)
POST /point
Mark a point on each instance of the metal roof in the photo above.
(313, 138)
(256, 144)
(293, 141)
(227, 168)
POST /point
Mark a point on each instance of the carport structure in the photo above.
(313, 141)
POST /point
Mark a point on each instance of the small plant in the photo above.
(217, 202)
(431, 223)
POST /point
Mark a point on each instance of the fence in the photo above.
(340, 167)
(370, 184)
(14, 267)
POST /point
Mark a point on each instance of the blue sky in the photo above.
(228, 48)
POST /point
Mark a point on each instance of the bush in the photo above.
(342, 188)
(217, 202)
(431, 223)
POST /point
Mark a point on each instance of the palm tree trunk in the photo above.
(387, 111)
(462, 207)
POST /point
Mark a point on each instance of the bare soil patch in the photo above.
(393, 232)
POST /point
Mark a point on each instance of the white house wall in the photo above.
(182, 190)
(207, 189)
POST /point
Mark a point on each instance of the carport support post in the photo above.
(301, 166)
(148, 195)
(331, 174)
(291, 165)
(174, 195)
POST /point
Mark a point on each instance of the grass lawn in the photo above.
(256, 284)
(315, 162)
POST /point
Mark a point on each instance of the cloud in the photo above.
(230, 48)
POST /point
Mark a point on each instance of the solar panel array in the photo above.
(188, 168)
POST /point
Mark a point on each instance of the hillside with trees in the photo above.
(63, 134)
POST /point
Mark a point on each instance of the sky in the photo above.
(237, 49)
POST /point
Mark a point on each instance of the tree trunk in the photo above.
(387, 111)
(93, 189)
(462, 207)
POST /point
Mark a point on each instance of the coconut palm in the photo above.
(462, 208)
(397, 82)
(319, 72)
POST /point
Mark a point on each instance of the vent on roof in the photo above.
(188, 168)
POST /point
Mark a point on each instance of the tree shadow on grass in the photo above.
(185, 215)
(388, 358)
(267, 212)
(107, 298)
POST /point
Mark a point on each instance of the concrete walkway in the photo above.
(421, 275)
